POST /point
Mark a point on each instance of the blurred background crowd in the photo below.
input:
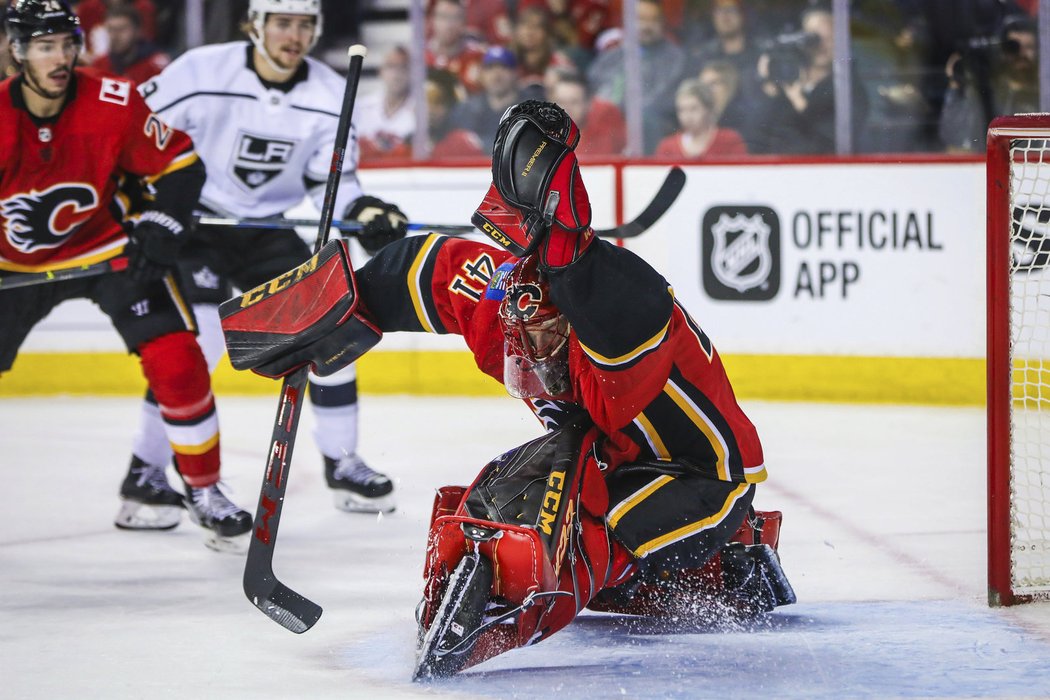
(679, 80)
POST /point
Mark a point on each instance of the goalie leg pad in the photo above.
(536, 514)
(303, 317)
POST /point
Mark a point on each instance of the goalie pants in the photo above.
(156, 323)
(664, 512)
(215, 261)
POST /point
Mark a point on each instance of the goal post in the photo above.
(1018, 358)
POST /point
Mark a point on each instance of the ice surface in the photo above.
(883, 539)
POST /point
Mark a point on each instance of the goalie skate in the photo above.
(148, 502)
(447, 645)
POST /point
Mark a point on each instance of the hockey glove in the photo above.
(534, 170)
(154, 247)
(383, 222)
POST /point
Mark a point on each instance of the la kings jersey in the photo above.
(264, 147)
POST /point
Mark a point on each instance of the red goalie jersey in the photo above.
(59, 205)
(639, 365)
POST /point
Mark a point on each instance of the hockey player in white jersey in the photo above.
(263, 116)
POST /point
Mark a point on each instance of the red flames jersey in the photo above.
(639, 364)
(58, 178)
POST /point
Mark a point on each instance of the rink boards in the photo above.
(840, 281)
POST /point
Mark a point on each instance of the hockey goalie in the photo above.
(637, 499)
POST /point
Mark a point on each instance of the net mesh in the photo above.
(1030, 357)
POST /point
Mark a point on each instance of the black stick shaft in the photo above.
(15, 280)
(274, 599)
(342, 137)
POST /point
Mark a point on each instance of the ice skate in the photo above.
(356, 487)
(227, 525)
(148, 502)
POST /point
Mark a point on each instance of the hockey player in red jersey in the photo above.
(70, 138)
(638, 498)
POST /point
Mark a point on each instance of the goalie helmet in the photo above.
(259, 9)
(27, 19)
(536, 336)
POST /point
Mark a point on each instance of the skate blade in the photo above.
(142, 516)
(227, 545)
(352, 503)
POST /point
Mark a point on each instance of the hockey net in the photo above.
(1018, 172)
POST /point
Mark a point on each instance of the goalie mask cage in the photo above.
(1018, 362)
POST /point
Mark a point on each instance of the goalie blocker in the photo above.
(305, 317)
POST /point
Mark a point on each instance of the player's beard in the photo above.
(40, 86)
(287, 63)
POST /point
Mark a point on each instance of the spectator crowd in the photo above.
(719, 78)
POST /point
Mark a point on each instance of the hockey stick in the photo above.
(276, 600)
(344, 226)
(15, 280)
(657, 207)
(661, 202)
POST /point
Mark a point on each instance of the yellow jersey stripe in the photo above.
(634, 499)
(96, 256)
(692, 528)
(179, 163)
(633, 354)
(184, 310)
(415, 284)
(652, 437)
(705, 425)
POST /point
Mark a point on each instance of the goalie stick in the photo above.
(274, 599)
(657, 207)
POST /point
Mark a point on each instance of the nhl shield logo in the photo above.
(741, 253)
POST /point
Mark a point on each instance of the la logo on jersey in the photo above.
(41, 220)
(259, 159)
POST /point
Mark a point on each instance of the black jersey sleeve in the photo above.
(395, 285)
(618, 305)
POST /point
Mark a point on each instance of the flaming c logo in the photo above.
(46, 219)
(524, 300)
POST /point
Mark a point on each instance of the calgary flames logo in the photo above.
(524, 300)
(40, 220)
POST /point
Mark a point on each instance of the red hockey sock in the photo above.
(177, 373)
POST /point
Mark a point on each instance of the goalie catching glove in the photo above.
(537, 200)
(383, 222)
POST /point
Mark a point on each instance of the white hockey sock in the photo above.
(334, 401)
(335, 430)
(150, 443)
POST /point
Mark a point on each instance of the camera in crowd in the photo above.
(789, 54)
(988, 49)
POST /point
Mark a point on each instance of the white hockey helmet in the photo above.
(259, 9)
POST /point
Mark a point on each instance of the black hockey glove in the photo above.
(383, 222)
(154, 247)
